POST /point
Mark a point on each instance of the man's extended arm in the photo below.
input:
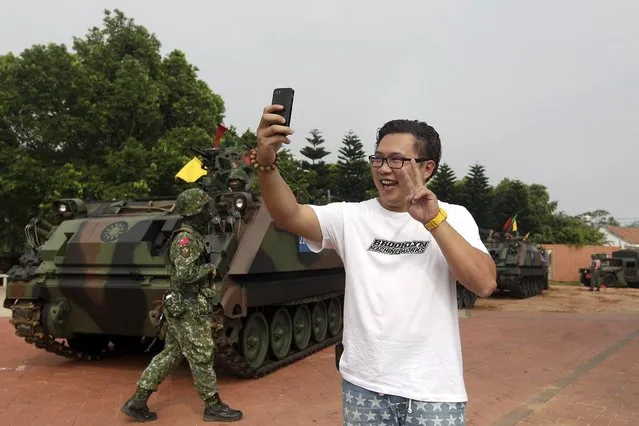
(472, 267)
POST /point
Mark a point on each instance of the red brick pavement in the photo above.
(538, 369)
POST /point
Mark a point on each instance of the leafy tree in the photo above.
(543, 209)
(110, 119)
(566, 229)
(511, 197)
(599, 217)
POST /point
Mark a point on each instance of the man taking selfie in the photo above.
(403, 252)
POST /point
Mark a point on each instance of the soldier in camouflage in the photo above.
(237, 180)
(595, 273)
(188, 308)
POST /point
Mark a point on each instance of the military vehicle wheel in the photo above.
(320, 321)
(610, 280)
(334, 317)
(302, 327)
(280, 333)
(254, 341)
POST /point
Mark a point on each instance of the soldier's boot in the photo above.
(217, 411)
(136, 406)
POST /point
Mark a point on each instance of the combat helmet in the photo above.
(237, 179)
(191, 201)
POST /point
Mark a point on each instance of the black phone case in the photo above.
(284, 96)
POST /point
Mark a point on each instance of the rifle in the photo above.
(159, 324)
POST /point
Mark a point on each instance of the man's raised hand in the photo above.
(422, 202)
(271, 134)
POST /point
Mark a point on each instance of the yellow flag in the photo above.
(526, 236)
(514, 226)
(191, 171)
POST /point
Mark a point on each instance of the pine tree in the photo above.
(444, 184)
(352, 150)
(476, 195)
(354, 172)
(314, 151)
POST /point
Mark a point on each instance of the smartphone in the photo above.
(284, 96)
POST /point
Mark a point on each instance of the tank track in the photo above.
(228, 358)
(523, 287)
(25, 317)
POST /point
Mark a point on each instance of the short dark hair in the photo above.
(427, 143)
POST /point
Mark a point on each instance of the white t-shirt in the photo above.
(401, 326)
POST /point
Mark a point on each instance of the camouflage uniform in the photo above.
(595, 272)
(237, 180)
(188, 308)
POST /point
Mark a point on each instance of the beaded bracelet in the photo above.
(256, 165)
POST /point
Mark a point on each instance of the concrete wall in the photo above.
(566, 260)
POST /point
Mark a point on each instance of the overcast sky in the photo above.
(544, 91)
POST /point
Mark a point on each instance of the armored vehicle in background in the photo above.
(617, 270)
(630, 265)
(465, 298)
(522, 266)
(92, 283)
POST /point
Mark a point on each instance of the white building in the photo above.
(620, 236)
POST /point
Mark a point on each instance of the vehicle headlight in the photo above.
(239, 203)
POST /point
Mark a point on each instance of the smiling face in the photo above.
(392, 183)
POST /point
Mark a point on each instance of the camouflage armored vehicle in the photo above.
(522, 266)
(618, 270)
(91, 284)
(630, 264)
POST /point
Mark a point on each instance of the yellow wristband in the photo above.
(437, 220)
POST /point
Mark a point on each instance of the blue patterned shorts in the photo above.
(363, 407)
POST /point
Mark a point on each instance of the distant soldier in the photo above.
(595, 279)
(237, 180)
(188, 308)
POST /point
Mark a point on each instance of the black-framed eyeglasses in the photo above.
(394, 161)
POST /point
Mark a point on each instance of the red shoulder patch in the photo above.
(184, 241)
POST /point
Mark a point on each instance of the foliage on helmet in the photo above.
(238, 174)
(191, 201)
